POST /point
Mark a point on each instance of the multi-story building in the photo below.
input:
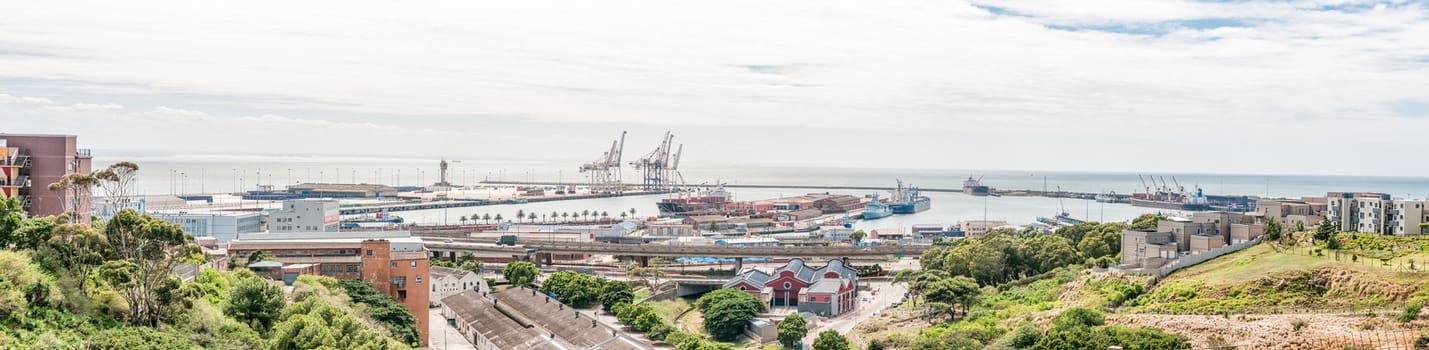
(30, 163)
(223, 226)
(1357, 211)
(342, 191)
(447, 281)
(393, 262)
(979, 228)
(306, 215)
(1409, 217)
(827, 291)
(1147, 249)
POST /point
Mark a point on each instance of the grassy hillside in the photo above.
(1260, 279)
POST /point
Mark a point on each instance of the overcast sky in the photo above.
(1297, 87)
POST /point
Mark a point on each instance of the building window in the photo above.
(419, 279)
(394, 265)
(369, 252)
(414, 264)
(401, 295)
(353, 268)
(788, 285)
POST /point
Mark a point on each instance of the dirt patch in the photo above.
(1318, 331)
(892, 324)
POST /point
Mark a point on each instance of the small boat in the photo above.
(1109, 197)
(876, 209)
(381, 219)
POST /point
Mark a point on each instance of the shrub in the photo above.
(1025, 336)
(1411, 312)
(1297, 325)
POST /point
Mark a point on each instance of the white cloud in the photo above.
(8, 98)
(84, 107)
(950, 67)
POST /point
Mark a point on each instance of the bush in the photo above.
(1025, 336)
(727, 311)
(1297, 325)
(1411, 312)
(1078, 317)
(392, 315)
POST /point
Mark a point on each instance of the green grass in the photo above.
(670, 309)
(1247, 265)
(642, 293)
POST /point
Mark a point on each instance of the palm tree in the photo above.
(520, 214)
(604, 214)
(623, 215)
(498, 217)
(555, 215)
(462, 219)
(531, 216)
(632, 211)
(486, 217)
(564, 216)
(584, 214)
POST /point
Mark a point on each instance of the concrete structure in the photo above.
(447, 281)
(522, 318)
(1409, 217)
(30, 163)
(979, 228)
(392, 262)
(762, 330)
(1201, 243)
(670, 230)
(1208, 224)
(223, 226)
(1147, 249)
(1246, 232)
(306, 215)
(827, 291)
(342, 191)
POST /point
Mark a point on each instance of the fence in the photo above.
(1191, 260)
(1377, 340)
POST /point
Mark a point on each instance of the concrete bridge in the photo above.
(541, 252)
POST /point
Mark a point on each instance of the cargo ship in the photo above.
(907, 200)
(1167, 197)
(974, 187)
(876, 209)
(704, 202)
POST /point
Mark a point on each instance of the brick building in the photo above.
(30, 163)
(395, 263)
(827, 291)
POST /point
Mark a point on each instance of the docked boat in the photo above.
(1173, 198)
(1109, 197)
(704, 202)
(974, 187)
(381, 219)
(908, 200)
(876, 209)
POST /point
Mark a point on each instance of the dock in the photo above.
(997, 192)
(462, 203)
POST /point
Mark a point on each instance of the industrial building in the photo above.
(393, 262)
(30, 163)
(522, 318)
(223, 226)
(448, 281)
(306, 215)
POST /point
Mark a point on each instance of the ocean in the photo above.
(163, 175)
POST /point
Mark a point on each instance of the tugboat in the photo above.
(974, 187)
(907, 200)
(876, 209)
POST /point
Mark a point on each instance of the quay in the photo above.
(461, 203)
(997, 192)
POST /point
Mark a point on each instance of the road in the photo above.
(441, 336)
(887, 295)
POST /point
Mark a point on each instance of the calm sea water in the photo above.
(161, 175)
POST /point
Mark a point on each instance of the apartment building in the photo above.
(1409, 217)
(30, 163)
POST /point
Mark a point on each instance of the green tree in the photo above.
(498, 218)
(857, 235)
(473, 266)
(255, 302)
(486, 218)
(520, 273)
(792, 329)
(11, 215)
(136, 338)
(153, 247)
(1324, 232)
(584, 214)
(1146, 222)
(462, 219)
(727, 313)
(614, 292)
(647, 322)
(959, 290)
(520, 214)
(1273, 229)
(831, 340)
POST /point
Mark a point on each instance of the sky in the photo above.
(1286, 87)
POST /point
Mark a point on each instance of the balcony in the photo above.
(82, 153)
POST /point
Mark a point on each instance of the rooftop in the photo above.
(321, 187)
(521, 318)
